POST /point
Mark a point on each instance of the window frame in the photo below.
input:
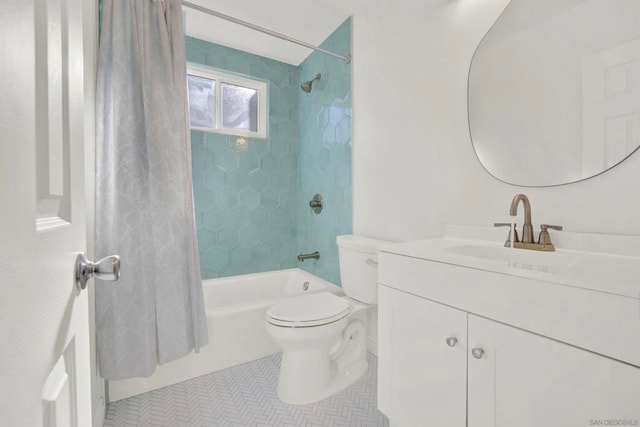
(220, 77)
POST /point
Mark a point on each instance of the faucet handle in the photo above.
(544, 227)
(544, 238)
(507, 243)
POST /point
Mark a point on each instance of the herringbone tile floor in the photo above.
(244, 396)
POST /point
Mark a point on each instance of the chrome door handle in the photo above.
(452, 341)
(477, 353)
(106, 269)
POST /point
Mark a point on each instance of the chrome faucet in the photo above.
(527, 228)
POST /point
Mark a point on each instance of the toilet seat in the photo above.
(308, 310)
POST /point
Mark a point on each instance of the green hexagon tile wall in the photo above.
(252, 209)
(324, 154)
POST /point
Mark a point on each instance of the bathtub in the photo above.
(236, 309)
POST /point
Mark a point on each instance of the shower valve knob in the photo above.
(316, 203)
(106, 269)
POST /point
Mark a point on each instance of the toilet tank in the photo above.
(359, 266)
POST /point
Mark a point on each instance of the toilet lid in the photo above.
(308, 310)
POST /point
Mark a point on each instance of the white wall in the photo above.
(413, 163)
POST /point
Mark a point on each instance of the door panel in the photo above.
(524, 379)
(611, 106)
(422, 379)
(44, 359)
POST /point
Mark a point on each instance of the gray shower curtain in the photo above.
(144, 201)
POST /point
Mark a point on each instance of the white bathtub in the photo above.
(236, 311)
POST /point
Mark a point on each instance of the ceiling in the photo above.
(305, 20)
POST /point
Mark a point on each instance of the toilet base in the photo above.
(338, 381)
(308, 375)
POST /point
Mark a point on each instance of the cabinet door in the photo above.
(523, 379)
(421, 377)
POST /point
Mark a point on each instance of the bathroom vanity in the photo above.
(475, 334)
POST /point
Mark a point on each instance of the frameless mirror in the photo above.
(554, 90)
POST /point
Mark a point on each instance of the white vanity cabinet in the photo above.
(514, 362)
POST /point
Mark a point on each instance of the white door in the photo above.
(610, 106)
(44, 325)
(522, 379)
(422, 361)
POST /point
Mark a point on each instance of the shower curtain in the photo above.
(144, 201)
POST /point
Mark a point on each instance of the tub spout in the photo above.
(302, 257)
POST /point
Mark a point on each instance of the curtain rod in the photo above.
(217, 14)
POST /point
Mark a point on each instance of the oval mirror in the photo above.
(554, 90)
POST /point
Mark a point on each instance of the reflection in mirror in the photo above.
(554, 90)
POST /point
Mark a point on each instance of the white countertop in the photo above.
(598, 262)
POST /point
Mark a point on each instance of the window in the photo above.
(226, 103)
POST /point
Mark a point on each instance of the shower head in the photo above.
(306, 86)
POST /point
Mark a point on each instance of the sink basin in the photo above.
(518, 258)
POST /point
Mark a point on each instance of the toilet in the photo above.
(323, 336)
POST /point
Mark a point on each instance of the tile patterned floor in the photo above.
(245, 396)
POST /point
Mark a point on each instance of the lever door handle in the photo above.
(106, 269)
